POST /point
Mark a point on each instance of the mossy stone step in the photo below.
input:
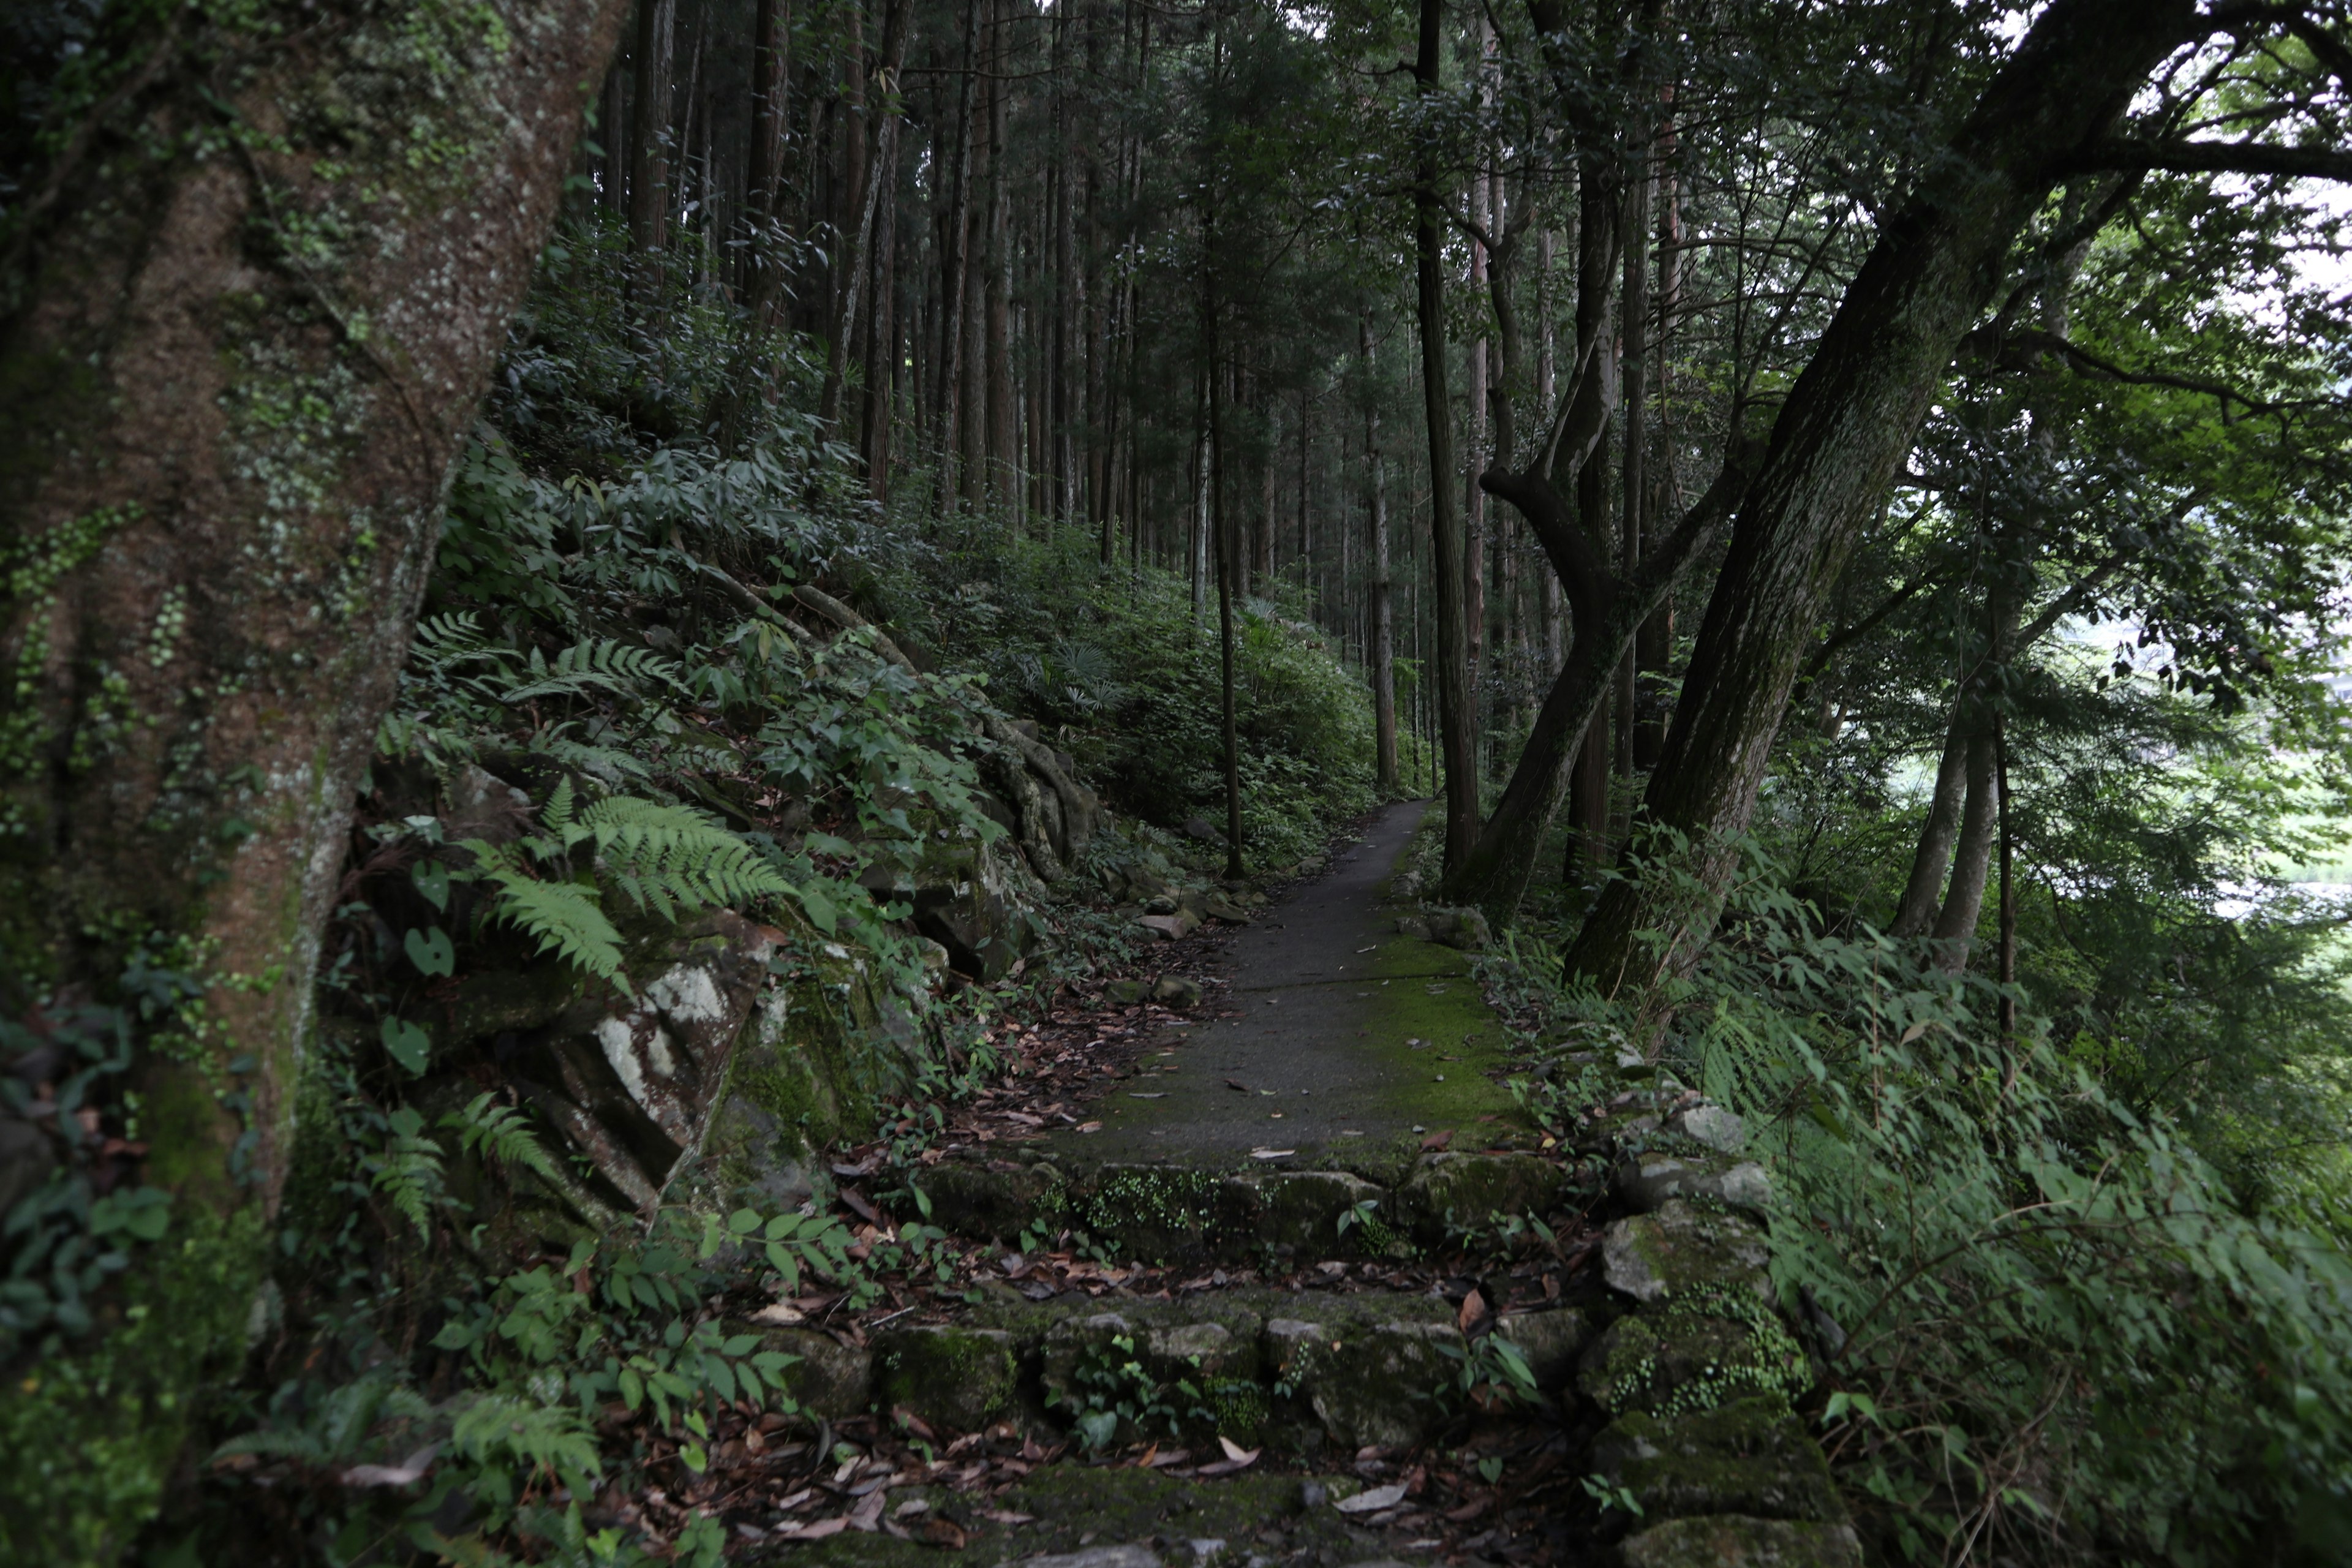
(1188, 1214)
(1748, 1456)
(1304, 1371)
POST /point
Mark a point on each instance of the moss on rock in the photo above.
(954, 1377)
(1748, 1456)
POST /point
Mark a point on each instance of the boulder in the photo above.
(1710, 1125)
(1463, 928)
(1735, 1540)
(1177, 991)
(632, 1083)
(1221, 906)
(1750, 1456)
(1201, 828)
(1647, 1180)
(954, 1377)
(1680, 1249)
(1415, 927)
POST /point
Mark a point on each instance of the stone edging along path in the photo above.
(1245, 1425)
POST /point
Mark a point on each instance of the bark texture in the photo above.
(243, 339)
(1839, 438)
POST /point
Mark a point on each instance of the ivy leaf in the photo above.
(822, 911)
(432, 880)
(430, 950)
(407, 1044)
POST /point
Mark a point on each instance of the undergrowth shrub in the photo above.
(1113, 663)
(2046, 1330)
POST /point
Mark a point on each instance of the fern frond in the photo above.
(600, 664)
(557, 813)
(502, 1133)
(665, 856)
(566, 919)
(409, 1171)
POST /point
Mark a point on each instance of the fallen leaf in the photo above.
(1474, 1313)
(1272, 1153)
(1438, 1140)
(860, 1206)
(1172, 1456)
(944, 1532)
(1236, 1083)
(1235, 1452)
(1471, 1509)
(822, 1529)
(778, 1315)
(1371, 1501)
(867, 1515)
(1161, 1095)
(1089, 1126)
(1006, 1516)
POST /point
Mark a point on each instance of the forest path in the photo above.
(1335, 1042)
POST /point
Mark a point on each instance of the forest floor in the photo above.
(1160, 1216)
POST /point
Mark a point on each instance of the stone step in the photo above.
(1183, 1215)
(1306, 1372)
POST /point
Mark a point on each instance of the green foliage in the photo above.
(2053, 1323)
(666, 858)
(1114, 666)
(1111, 1391)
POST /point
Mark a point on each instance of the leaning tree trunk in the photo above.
(1932, 860)
(1839, 441)
(249, 316)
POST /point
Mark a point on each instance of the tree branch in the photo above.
(2190, 157)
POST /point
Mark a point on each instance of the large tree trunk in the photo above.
(1456, 717)
(228, 447)
(1840, 439)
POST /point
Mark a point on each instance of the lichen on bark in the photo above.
(245, 317)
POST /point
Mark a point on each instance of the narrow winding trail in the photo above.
(1340, 1043)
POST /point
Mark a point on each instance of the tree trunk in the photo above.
(1382, 628)
(955, 283)
(1840, 438)
(230, 447)
(1218, 513)
(1933, 859)
(649, 138)
(1456, 715)
(771, 67)
(1956, 923)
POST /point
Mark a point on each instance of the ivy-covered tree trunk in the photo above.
(252, 296)
(1840, 439)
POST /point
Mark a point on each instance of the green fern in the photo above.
(409, 1171)
(673, 860)
(669, 859)
(564, 915)
(599, 664)
(502, 1133)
